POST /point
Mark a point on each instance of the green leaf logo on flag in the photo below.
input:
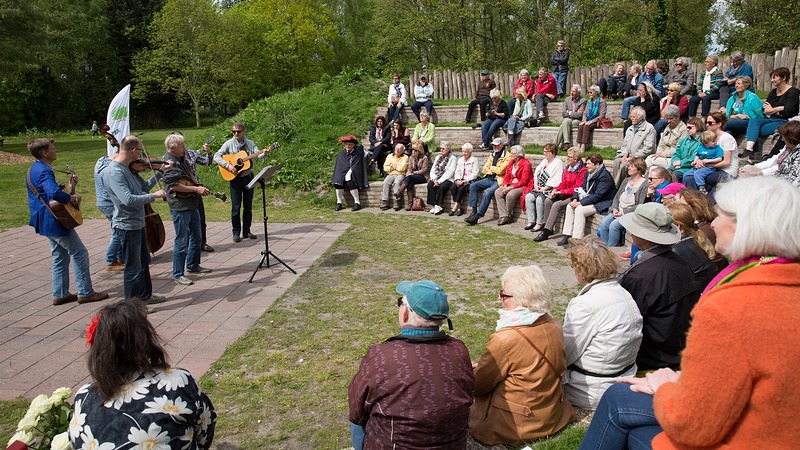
(119, 113)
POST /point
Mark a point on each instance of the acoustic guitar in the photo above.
(68, 214)
(241, 161)
(187, 181)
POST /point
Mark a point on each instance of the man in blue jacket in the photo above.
(64, 244)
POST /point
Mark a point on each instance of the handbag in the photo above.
(418, 204)
(605, 122)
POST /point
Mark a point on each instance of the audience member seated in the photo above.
(424, 132)
(632, 81)
(662, 66)
(639, 142)
(496, 116)
(546, 176)
(524, 81)
(494, 169)
(673, 132)
(423, 95)
(395, 166)
(518, 391)
(574, 107)
(467, 171)
(400, 135)
(594, 111)
(482, 97)
(560, 196)
(379, 143)
(673, 97)
(427, 407)
(602, 326)
(741, 107)
(613, 86)
(729, 166)
(707, 87)
(739, 68)
(704, 215)
(785, 164)
(694, 247)
(417, 172)
(517, 181)
(396, 99)
(661, 284)
(708, 154)
(686, 151)
(593, 196)
(780, 106)
(559, 65)
(683, 76)
(726, 394)
(632, 193)
(522, 112)
(647, 99)
(546, 92)
(441, 177)
(651, 76)
(135, 394)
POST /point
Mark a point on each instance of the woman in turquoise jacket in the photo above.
(687, 148)
(742, 107)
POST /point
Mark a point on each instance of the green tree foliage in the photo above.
(181, 58)
(759, 26)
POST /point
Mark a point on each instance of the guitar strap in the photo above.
(36, 191)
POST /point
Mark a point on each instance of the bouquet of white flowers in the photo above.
(46, 423)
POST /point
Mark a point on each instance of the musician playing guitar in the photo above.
(64, 243)
(184, 210)
(240, 195)
(203, 158)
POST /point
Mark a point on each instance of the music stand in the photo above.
(265, 175)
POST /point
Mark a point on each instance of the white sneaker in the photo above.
(435, 209)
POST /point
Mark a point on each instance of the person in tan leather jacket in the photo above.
(518, 393)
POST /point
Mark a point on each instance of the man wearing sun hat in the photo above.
(349, 172)
(662, 285)
(415, 389)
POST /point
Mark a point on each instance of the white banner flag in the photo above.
(118, 117)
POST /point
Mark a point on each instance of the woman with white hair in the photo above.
(467, 171)
(707, 87)
(672, 97)
(496, 116)
(671, 135)
(518, 391)
(739, 368)
(574, 106)
(594, 111)
(441, 177)
(546, 177)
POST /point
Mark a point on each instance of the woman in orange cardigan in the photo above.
(738, 384)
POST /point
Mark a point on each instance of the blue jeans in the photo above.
(357, 435)
(136, 276)
(626, 106)
(64, 248)
(561, 79)
(696, 100)
(413, 180)
(623, 419)
(187, 228)
(114, 251)
(699, 175)
(488, 127)
(762, 126)
(416, 107)
(712, 179)
(660, 126)
(240, 194)
(484, 184)
(610, 230)
(394, 111)
(736, 127)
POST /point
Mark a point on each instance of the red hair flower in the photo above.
(90, 329)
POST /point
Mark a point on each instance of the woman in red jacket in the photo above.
(517, 182)
(561, 195)
(737, 387)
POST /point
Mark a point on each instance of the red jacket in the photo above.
(528, 85)
(571, 181)
(547, 86)
(524, 178)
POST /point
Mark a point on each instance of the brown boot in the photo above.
(384, 205)
(409, 200)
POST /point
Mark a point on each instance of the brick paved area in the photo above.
(42, 347)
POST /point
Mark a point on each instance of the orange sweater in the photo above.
(741, 367)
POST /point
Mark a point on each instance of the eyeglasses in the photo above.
(654, 178)
(711, 123)
(678, 64)
(237, 131)
(689, 126)
(547, 151)
(504, 296)
(400, 301)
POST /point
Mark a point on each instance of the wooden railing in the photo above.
(449, 85)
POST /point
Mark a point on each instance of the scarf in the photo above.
(516, 317)
(592, 175)
(575, 167)
(593, 109)
(707, 79)
(397, 90)
(441, 165)
(735, 268)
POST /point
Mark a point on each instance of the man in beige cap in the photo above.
(662, 285)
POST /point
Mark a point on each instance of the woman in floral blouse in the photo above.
(137, 399)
